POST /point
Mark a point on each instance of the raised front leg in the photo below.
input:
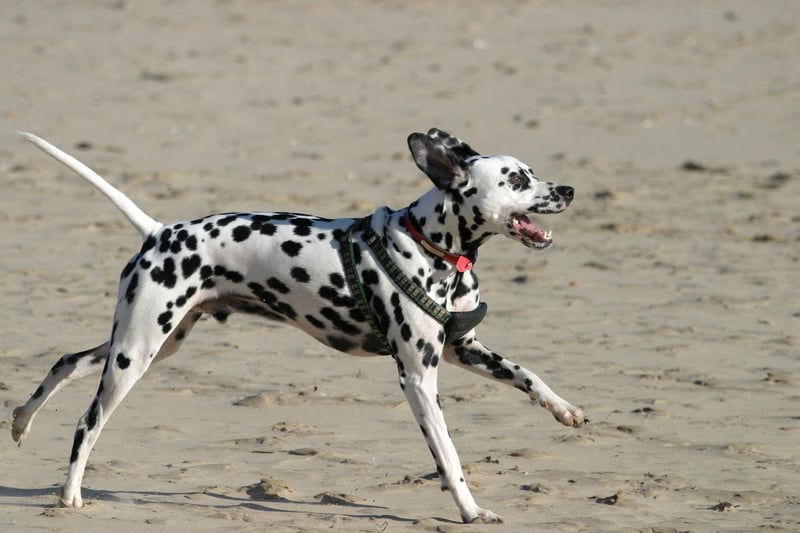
(470, 354)
(421, 390)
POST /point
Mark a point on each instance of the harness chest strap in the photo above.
(354, 282)
(456, 324)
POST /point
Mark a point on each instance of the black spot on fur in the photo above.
(300, 275)
(356, 314)
(379, 309)
(165, 275)
(337, 299)
(503, 373)
(122, 361)
(241, 233)
(91, 418)
(315, 322)
(278, 285)
(164, 240)
(76, 444)
(429, 358)
(338, 322)
(181, 300)
(232, 275)
(405, 332)
(129, 268)
(301, 226)
(370, 277)
(337, 280)
(224, 221)
(130, 292)
(149, 244)
(286, 310)
(267, 229)
(223, 272)
(164, 317)
(261, 293)
(398, 309)
(291, 248)
(373, 344)
(342, 344)
(189, 265)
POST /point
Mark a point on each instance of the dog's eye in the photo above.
(515, 179)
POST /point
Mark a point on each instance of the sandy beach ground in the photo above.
(669, 308)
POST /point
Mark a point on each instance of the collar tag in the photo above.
(463, 264)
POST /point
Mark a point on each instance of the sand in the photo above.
(668, 309)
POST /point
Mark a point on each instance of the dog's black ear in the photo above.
(461, 149)
(441, 157)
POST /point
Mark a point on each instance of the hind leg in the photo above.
(77, 365)
(69, 367)
(127, 362)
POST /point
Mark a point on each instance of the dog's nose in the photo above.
(566, 192)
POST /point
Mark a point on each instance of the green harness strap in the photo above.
(456, 324)
(354, 280)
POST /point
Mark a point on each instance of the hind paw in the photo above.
(483, 516)
(70, 500)
(20, 426)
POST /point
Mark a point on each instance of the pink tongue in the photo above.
(523, 225)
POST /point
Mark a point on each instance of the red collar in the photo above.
(461, 262)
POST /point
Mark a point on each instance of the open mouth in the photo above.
(532, 235)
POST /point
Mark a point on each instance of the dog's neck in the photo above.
(438, 216)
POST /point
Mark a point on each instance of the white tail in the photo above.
(140, 220)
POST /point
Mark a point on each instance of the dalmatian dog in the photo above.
(289, 267)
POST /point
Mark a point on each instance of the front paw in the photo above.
(566, 413)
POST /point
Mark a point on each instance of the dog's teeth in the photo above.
(548, 234)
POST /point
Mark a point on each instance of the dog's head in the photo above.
(490, 194)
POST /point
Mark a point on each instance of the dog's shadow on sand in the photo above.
(31, 497)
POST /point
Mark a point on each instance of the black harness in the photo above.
(455, 323)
